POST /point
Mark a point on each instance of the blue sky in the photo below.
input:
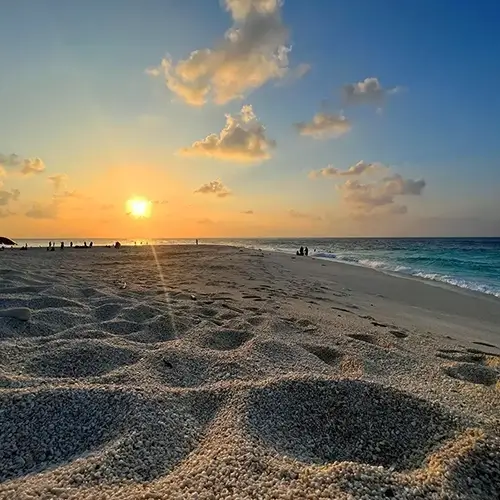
(75, 93)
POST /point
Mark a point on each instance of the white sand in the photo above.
(224, 373)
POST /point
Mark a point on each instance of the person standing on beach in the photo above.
(306, 251)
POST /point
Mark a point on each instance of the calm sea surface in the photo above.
(472, 263)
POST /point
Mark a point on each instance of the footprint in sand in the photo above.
(326, 354)
(471, 372)
(107, 312)
(362, 337)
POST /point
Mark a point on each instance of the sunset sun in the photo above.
(139, 207)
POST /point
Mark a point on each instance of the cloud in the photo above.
(248, 212)
(214, 187)
(5, 213)
(206, 221)
(160, 202)
(243, 139)
(107, 206)
(32, 166)
(359, 168)
(294, 75)
(69, 194)
(254, 51)
(379, 196)
(43, 211)
(7, 197)
(58, 181)
(368, 91)
(302, 215)
(324, 126)
(27, 166)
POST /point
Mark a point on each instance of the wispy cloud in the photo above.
(324, 126)
(26, 166)
(58, 181)
(243, 139)
(43, 211)
(303, 215)
(214, 187)
(4, 213)
(253, 52)
(367, 91)
(7, 197)
(248, 212)
(359, 168)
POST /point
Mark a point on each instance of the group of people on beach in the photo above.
(303, 251)
(52, 246)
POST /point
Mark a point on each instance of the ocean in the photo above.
(470, 263)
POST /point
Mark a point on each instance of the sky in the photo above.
(249, 118)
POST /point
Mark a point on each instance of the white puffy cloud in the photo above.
(379, 196)
(359, 168)
(302, 215)
(253, 52)
(58, 181)
(216, 188)
(325, 125)
(43, 211)
(7, 197)
(368, 91)
(26, 166)
(243, 139)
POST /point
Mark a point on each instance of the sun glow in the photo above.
(139, 207)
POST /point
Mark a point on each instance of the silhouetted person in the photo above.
(301, 251)
(117, 245)
(85, 244)
(306, 251)
(62, 245)
(197, 242)
(91, 244)
(71, 245)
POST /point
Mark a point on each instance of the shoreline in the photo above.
(397, 274)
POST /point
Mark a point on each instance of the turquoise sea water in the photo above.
(471, 263)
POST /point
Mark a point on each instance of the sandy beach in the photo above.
(202, 372)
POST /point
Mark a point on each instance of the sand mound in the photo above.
(323, 422)
(81, 358)
(184, 367)
(469, 372)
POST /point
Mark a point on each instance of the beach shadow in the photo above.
(321, 422)
(49, 429)
(80, 359)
